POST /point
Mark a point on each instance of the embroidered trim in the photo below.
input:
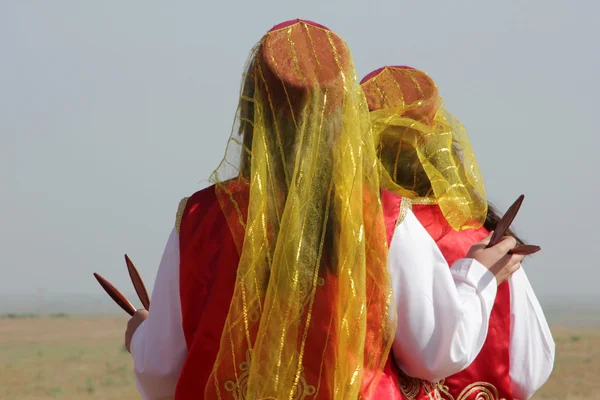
(239, 388)
(405, 205)
(483, 390)
(411, 387)
(424, 201)
(180, 211)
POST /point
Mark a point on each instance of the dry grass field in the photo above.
(64, 358)
(75, 358)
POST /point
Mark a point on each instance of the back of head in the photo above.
(296, 78)
(410, 93)
(298, 60)
(424, 150)
(304, 171)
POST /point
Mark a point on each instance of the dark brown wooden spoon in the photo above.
(525, 249)
(138, 283)
(505, 222)
(116, 295)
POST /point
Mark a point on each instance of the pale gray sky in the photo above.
(112, 111)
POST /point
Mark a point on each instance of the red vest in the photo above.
(208, 256)
(208, 263)
(488, 376)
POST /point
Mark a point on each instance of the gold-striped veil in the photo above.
(299, 185)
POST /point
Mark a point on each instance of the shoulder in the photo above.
(206, 203)
(201, 200)
(395, 206)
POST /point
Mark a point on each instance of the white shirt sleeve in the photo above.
(443, 313)
(531, 344)
(158, 345)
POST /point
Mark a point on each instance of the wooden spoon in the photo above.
(116, 295)
(138, 283)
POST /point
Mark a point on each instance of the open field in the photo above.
(77, 358)
(64, 358)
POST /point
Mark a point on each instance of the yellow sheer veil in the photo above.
(299, 186)
(424, 151)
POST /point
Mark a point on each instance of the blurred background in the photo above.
(111, 112)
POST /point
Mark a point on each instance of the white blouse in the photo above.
(443, 317)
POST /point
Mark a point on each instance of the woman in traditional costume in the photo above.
(276, 282)
(428, 164)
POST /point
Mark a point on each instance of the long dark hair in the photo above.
(491, 222)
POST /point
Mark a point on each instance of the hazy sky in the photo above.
(112, 111)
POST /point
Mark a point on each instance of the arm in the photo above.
(443, 313)
(158, 345)
(531, 343)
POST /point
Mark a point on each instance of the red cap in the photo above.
(297, 56)
(396, 86)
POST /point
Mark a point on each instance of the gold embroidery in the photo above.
(306, 292)
(180, 211)
(443, 389)
(424, 201)
(405, 205)
(411, 387)
(483, 391)
(239, 388)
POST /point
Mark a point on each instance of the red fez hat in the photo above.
(399, 86)
(297, 57)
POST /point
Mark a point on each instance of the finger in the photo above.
(514, 263)
(503, 262)
(507, 243)
(127, 344)
(475, 248)
(507, 237)
(486, 239)
(505, 267)
(518, 258)
(515, 267)
(509, 276)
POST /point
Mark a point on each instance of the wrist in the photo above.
(473, 272)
